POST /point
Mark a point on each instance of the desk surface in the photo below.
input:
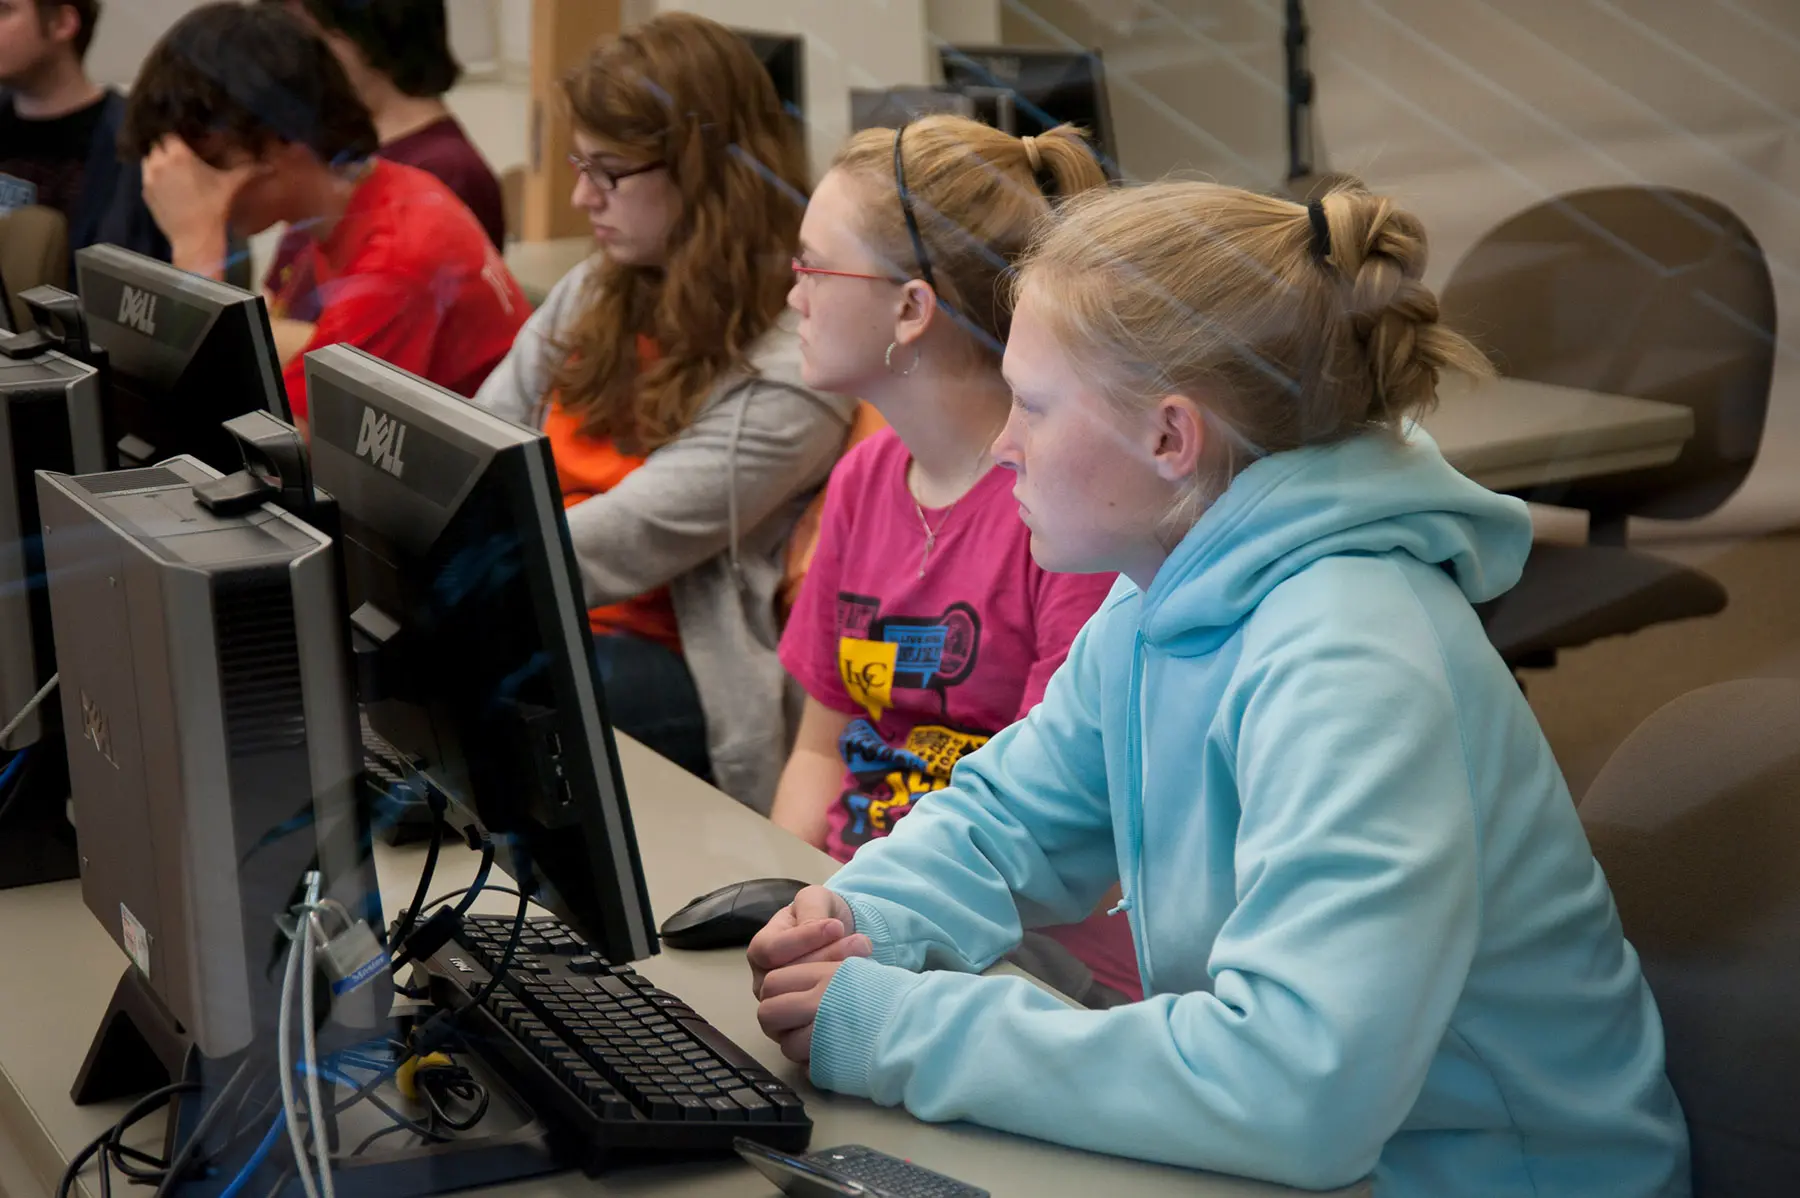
(61, 968)
(1509, 434)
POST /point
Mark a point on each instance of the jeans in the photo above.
(650, 697)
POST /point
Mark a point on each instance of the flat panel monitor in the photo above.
(784, 58)
(184, 354)
(475, 657)
(49, 420)
(1049, 87)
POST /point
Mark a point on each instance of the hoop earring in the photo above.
(889, 359)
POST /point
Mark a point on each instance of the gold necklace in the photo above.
(931, 534)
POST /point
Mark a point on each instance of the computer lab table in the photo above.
(60, 969)
(1514, 434)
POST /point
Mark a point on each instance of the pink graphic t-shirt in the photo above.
(931, 667)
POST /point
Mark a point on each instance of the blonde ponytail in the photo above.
(1233, 299)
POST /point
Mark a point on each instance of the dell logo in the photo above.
(94, 729)
(137, 310)
(380, 441)
(462, 966)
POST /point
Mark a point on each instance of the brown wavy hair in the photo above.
(686, 91)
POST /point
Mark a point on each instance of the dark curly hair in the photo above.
(87, 10)
(246, 76)
(406, 40)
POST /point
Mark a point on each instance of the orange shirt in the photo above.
(588, 466)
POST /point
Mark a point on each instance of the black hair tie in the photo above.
(906, 210)
(1321, 230)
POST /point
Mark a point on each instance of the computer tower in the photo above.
(211, 729)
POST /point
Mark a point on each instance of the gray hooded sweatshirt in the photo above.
(708, 515)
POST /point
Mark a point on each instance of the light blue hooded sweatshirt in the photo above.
(1372, 934)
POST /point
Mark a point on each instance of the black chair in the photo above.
(1695, 821)
(1640, 291)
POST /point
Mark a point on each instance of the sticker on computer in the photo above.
(135, 939)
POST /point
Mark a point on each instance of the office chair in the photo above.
(1696, 822)
(1641, 291)
(34, 252)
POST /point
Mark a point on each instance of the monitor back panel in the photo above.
(49, 420)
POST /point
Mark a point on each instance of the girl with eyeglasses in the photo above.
(666, 374)
(924, 627)
(1374, 939)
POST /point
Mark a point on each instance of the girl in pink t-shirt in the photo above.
(924, 626)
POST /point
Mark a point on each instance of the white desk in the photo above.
(1509, 434)
(61, 968)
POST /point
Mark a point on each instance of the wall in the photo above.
(963, 22)
(1195, 86)
(127, 30)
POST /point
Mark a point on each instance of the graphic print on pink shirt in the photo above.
(876, 657)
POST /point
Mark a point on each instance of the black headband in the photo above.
(906, 210)
(1321, 230)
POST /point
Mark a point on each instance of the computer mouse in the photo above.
(731, 915)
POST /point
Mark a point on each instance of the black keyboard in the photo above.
(598, 1049)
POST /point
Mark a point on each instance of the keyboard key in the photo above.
(791, 1109)
(725, 1110)
(586, 963)
(714, 1039)
(693, 1107)
(756, 1108)
(662, 1106)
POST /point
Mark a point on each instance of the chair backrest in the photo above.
(1696, 822)
(34, 252)
(1641, 291)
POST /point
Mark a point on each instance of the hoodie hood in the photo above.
(1373, 494)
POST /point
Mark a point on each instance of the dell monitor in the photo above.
(783, 58)
(473, 647)
(184, 354)
(1049, 88)
(210, 722)
(49, 420)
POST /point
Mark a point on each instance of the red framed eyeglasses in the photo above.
(802, 269)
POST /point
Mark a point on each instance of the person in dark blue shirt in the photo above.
(59, 130)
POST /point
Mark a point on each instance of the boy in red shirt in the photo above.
(243, 119)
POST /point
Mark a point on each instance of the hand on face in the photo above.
(793, 960)
(190, 200)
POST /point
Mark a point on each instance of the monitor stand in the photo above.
(37, 841)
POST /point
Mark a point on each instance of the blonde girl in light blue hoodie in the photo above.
(1371, 933)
